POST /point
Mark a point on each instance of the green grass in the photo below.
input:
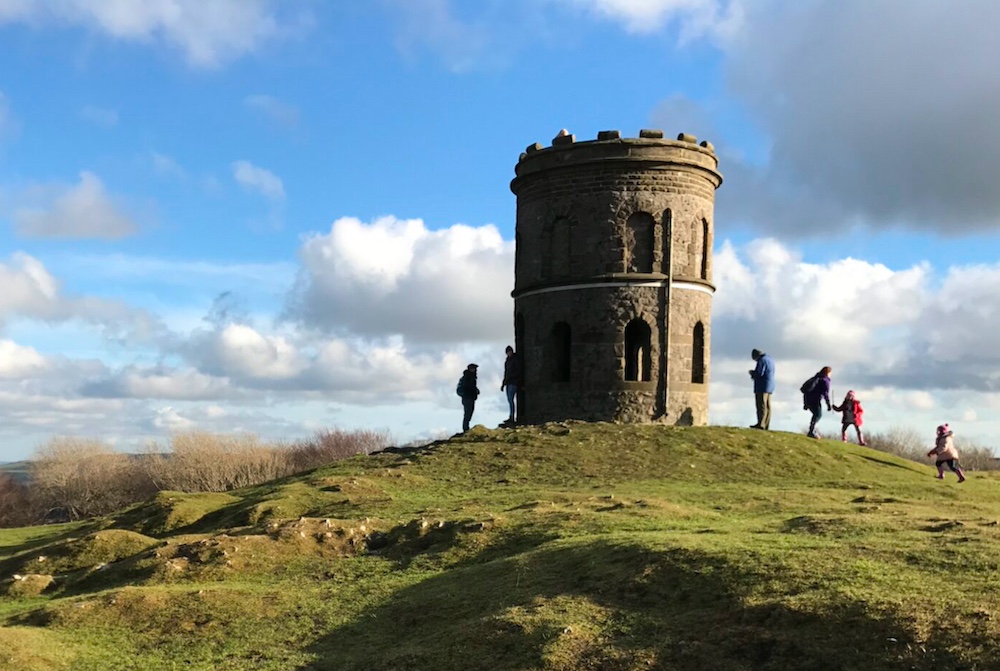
(561, 547)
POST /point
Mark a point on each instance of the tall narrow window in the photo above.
(706, 249)
(560, 344)
(667, 238)
(698, 355)
(638, 351)
(546, 249)
(639, 232)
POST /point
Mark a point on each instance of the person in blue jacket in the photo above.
(763, 387)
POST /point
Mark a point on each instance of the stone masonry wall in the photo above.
(602, 228)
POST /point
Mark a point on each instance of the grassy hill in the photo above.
(576, 546)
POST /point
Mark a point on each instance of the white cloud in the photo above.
(160, 382)
(17, 361)
(257, 179)
(926, 341)
(83, 210)
(275, 110)
(100, 116)
(166, 166)
(697, 17)
(396, 277)
(207, 33)
(879, 113)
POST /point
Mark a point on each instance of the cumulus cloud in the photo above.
(260, 180)
(877, 113)
(396, 277)
(100, 116)
(32, 292)
(273, 109)
(913, 330)
(83, 210)
(159, 382)
(207, 33)
(17, 361)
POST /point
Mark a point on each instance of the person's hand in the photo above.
(501, 387)
(828, 408)
(751, 373)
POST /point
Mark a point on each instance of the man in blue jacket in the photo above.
(763, 387)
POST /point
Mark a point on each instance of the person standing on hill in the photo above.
(815, 391)
(469, 392)
(511, 382)
(853, 414)
(947, 455)
(763, 387)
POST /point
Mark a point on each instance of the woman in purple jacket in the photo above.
(816, 390)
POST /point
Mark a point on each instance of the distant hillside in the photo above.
(17, 469)
(561, 547)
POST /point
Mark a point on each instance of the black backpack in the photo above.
(809, 385)
(460, 389)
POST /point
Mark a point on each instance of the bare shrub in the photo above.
(901, 441)
(73, 478)
(199, 461)
(975, 456)
(16, 508)
(913, 445)
(331, 445)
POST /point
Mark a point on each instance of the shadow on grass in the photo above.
(615, 607)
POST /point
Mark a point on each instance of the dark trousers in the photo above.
(763, 409)
(469, 405)
(816, 408)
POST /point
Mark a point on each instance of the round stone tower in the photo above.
(613, 278)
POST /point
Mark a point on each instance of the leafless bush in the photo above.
(16, 508)
(913, 445)
(199, 461)
(331, 445)
(72, 478)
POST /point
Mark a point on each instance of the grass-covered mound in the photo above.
(562, 547)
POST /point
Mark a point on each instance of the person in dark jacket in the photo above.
(469, 392)
(511, 381)
(815, 391)
(763, 387)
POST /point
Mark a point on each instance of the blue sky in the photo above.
(279, 216)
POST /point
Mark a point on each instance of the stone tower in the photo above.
(613, 278)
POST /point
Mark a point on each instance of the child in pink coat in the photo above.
(853, 415)
(947, 455)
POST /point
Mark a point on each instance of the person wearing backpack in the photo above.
(763, 387)
(469, 392)
(815, 390)
(853, 414)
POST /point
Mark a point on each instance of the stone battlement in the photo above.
(650, 147)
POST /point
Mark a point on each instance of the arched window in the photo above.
(706, 249)
(698, 354)
(560, 345)
(639, 231)
(638, 351)
(667, 240)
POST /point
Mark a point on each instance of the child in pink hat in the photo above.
(947, 455)
(853, 415)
